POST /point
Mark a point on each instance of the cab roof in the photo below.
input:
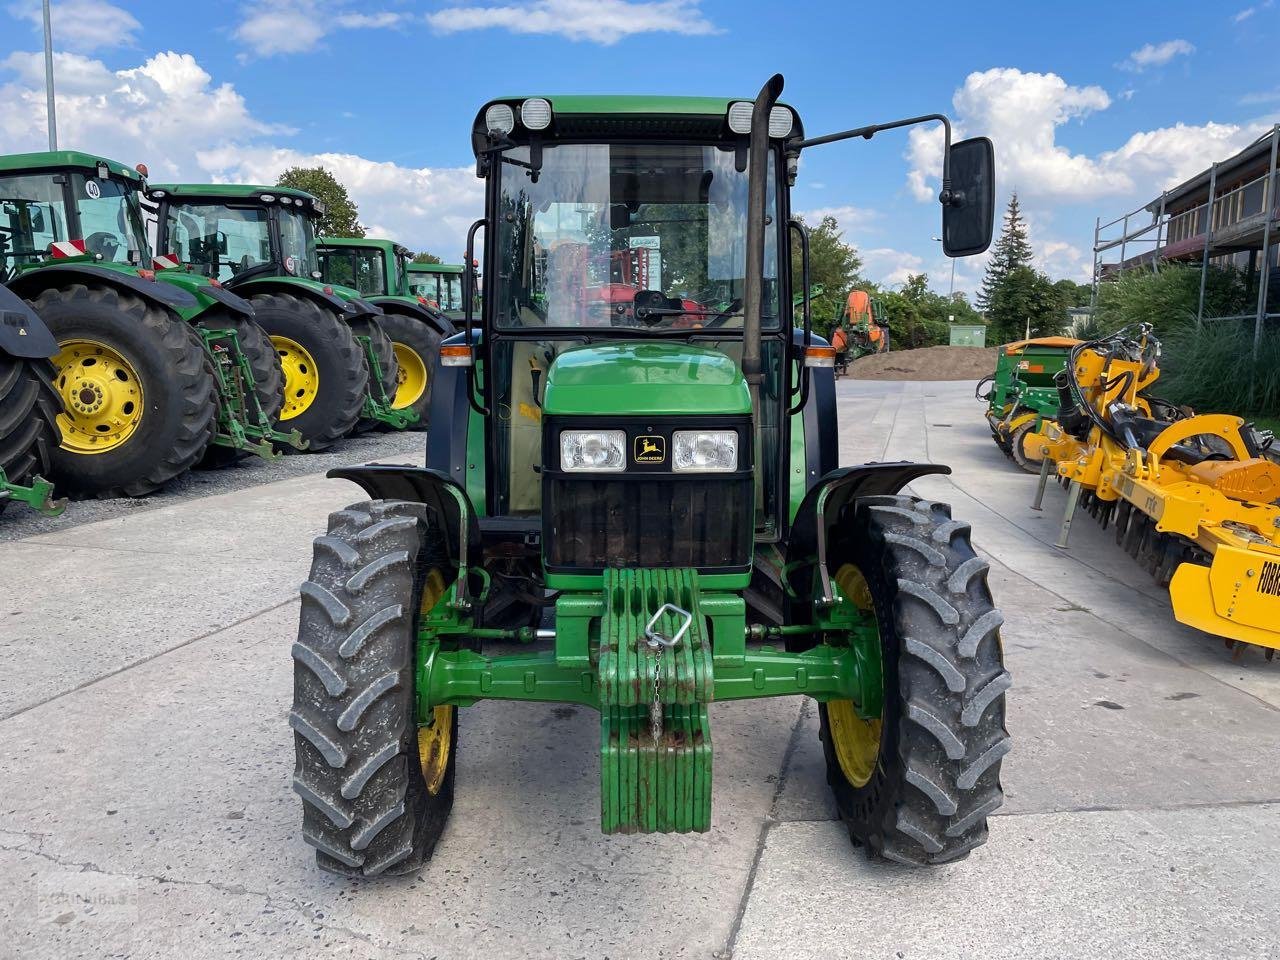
(435, 268)
(387, 246)
(224, 191)
(592, 116)
(61, 160)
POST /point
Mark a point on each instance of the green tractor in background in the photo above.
(378, 270)
(643, 489)
(1023, 392)
(440, 284)
(29, 407)
(153, 376)
(258, 241)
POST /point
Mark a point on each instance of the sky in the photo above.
(1094, 107)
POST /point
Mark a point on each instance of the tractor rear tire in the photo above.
(936, 774)
(371, 327)
(418, 345)
(29, 408)
(368, 805)
(178, 400)
(326, 404)
(1016, 451)
(264, 362)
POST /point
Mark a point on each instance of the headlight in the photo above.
(603, 450)
(781, 119)
(702, 451)
(500, 118)
(535, 114)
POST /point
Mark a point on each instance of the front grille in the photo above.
(647, 520)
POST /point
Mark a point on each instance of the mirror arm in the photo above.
(866, 133)
(468, 294)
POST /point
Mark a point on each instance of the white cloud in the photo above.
(81, 25)
(170, 113)
(423, 208)
(887, 266)
(297, 26)
(599, 21)
(1022, 113)
(849, 217)
(1248, 12)
(1156, 55)
(1260, 96)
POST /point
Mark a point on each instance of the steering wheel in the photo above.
(102, 244)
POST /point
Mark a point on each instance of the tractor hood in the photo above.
(642, 379)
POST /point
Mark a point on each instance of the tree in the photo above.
(1012, 250)
(833, 265)
(1025, 300)
(425, 257)
(341, 216)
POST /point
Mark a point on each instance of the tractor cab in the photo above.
(66, 204)
(439, 283)
(231, 232)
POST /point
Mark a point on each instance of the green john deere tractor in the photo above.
(439, 284)
(378, 270)
(1023, 392)
(339, 368)
(155, 372)
(645, 491)
(29, 407)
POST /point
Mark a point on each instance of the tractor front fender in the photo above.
(435, 320)
(30, 284)
(22, 332)
(825, 506)
(446, 500)
(299, 288)
(205, 292)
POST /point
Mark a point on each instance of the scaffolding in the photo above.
(1224, 212)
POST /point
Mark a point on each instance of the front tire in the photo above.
(139, 401)
(324, 371)
(376, 788)
(29, 408)
(919, 787)
(416, 347)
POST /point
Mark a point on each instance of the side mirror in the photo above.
(222, 242)
(968, 218)
(37, 220)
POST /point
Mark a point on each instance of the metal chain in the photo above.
(655, 708)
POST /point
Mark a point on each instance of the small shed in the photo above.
(968, 335)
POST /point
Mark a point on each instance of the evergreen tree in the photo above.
(1012, 250)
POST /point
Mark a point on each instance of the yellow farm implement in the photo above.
(1192, 498)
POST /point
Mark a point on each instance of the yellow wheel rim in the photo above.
(435, 745)
(411, 377)
(301, 378)
(101, 394)
(856, 741)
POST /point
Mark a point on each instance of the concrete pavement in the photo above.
(145, 809)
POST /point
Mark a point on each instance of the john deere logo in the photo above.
(650, 449)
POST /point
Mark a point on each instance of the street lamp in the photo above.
(952, 294)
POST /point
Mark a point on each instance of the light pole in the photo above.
(952, 294)
(48, 78)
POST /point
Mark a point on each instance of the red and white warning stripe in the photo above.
(61, 249)
(165, 261)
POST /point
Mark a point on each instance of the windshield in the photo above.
(442, 289)
(627, 235)
(110, 219)
(219, 241)
(358, 267)
(33, 214)
(298, 244)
